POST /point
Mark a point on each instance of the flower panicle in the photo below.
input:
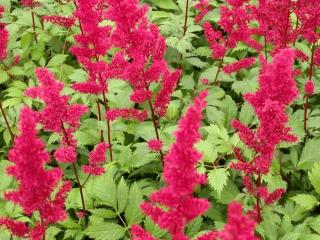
(177, 195)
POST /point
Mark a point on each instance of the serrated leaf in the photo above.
(57, 60)
(314, 177)
(51, 232)
(196, 62)
(209, 153)
(187, 82)
(165, 4)
(105, 189)
(133, 213)
(306, 201)
(3, 76)
(310, 154)
(105, 231)
(217, 179)
(122, 195)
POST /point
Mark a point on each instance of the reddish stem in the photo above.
(108, 125)
(34, 25)
(76, 175)
(287, 25)
(99, 118)
(259, 208)
(7, 123)
(155, 125)
(307, 97)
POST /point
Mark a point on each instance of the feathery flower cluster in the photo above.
(309, 88)
(235, 22)
(57, 112)
(142, 49)
(273, 17)
(63, 21)
(204, 7)
(237, 66)
(181, 178)
(92, 43)
(29, 157)
(29, 3)
(4, 37)
(155, 145)
(308, 13)
(133, 114)
(96, 158)
(239, 226)
(277, 90)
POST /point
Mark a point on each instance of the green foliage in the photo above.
(113, 199)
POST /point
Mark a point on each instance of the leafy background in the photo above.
(113, 199)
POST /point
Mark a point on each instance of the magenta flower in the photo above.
(237, 66)
(96, 158)
(309, 88)
(29, 157)
(60, 20)
(4, 37)
(181, 177)
(57, 112)
(276, 91)
(155, 145)
(239, 226)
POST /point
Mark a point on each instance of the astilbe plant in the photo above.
(36, 183)
(277, 89)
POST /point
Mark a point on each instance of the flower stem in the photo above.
(76, 175)
(7, 123)
(155, 125)
(99, 118)
(34, 25)
(185, 28)
(265, 46)
(307, 97)
(258, 199)
(108, 125)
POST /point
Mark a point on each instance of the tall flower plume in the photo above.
(142, 44)
(29, 157)
(277, 90)
(57, 112)
(180, 177)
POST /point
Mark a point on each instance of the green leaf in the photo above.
(187, 81)
(218, 178)
(306, 201)
(122, 195)
(196, 62)
(105, 189)
(209, 153)
(105, 231)
(57, 60)
(165, 4)
(314, 177)
(133, 213)
(194, 227)
(51, 233)
(3, 76)
(310, 154)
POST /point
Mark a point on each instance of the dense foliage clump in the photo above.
(159, 119)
